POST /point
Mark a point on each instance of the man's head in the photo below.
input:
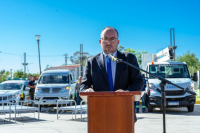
(109, 40)
(31, 77)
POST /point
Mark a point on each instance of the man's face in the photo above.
(31, 78)
(109, 41)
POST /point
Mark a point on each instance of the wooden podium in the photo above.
(111, 112)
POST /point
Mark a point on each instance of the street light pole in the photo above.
(81, 58)
(38, 39)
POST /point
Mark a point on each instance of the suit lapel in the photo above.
(119, 67)
(100, 60)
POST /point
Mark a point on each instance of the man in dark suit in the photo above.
(103, 74)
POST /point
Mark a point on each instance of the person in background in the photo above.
(137, 104)
(31, 85)
(77, 88)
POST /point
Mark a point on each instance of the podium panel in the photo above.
(114, 114)
(110, 112)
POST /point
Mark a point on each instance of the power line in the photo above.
(31, 55)
(62, 55)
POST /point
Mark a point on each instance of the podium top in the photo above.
(136, 94)
(110, 93)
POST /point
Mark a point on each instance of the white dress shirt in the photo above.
(113, 65)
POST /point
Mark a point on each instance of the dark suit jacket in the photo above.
(126, 77)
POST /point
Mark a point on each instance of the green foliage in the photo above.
(75, 59)
(18, 74)
(4, 75)
(191, 60)
(138, 54)
(35, 75)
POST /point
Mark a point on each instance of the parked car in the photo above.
(54, 85)
(14, 90)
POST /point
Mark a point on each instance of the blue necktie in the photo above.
(109, 73)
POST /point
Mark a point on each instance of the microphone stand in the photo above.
(162, 86)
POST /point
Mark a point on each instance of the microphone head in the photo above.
(110, 54)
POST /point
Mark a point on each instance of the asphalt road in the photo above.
(178, 120)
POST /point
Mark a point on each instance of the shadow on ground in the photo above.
(22, 120)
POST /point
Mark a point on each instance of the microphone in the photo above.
(115, 59)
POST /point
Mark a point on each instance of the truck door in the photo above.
(26, 91)
(72, 86)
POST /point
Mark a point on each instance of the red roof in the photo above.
(64, 67)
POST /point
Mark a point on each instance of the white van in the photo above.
(54, 85)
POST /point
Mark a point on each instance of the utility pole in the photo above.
(11, 72)
(66, 59)
(38, 40)
(81, 58)
(173, 36)
(24, 65)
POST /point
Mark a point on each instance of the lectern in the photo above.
(111, 112)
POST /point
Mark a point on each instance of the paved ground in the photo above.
(178, 120)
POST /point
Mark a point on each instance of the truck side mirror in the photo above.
(73, 81)
(195, 77)
(27, 89)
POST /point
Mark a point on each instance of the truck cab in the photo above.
(14, 90)
(162, 65)
(177, 73)
(54, 85)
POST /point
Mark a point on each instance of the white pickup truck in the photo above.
(14, 90)
(54, 85)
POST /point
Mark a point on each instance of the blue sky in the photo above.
(143, 25)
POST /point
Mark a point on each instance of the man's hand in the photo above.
(120, 90)
(89, 90)
(29, 86)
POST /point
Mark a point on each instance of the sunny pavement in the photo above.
(178, 120)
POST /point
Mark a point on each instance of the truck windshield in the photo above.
(169, 71)
(10, 86)
(54, 79)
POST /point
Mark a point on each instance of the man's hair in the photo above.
(31, 75)
(110, 28)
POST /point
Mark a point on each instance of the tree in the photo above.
(138, 54)
(191, 60)
(4, 75)
(18, 74)
(35, 75)
(75, 59)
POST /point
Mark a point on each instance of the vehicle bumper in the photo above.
(6, 102)
(179, 102)
(47, 100)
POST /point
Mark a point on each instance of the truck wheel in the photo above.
(146, 100)
(190, 108)
(150, 108)
(21, 103)
(40, 108)
(71, 97)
